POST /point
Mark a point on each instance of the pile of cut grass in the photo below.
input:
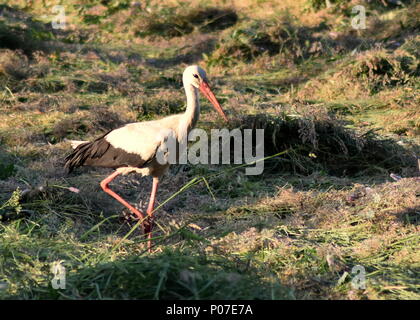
(380, 68)
(322, 143)
(279, 36)
(364, 75)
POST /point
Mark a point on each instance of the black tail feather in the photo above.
(85, 151)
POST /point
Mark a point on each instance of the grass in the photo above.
(296, 239)
(340, 106)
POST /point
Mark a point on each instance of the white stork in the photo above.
(134, 147)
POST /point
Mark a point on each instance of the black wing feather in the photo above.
(100, 153)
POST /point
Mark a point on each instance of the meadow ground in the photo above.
(340, 109)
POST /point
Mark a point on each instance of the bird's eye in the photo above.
(195, 76)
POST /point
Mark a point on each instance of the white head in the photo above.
(194, 75)
(197, 77)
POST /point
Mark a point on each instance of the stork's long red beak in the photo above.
(205, 89)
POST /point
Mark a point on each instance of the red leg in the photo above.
(104, 185)
(151, 206)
